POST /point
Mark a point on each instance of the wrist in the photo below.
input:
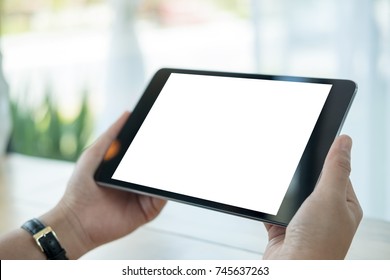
(68, 230)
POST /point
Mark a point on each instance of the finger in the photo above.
(267, 226)
(337, 166)
(159, 203)
(94, 154)
(274, 231)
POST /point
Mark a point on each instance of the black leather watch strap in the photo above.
(46, 239)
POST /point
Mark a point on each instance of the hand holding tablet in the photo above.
(250, 145)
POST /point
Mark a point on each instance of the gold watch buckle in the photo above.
(42, 233)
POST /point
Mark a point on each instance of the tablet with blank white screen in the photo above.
(232, 142)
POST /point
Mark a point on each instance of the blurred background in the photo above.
(72, 66)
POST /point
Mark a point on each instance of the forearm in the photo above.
(19, 245)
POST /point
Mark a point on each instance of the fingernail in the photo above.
(346, 143)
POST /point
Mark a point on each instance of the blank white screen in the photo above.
(231, 140)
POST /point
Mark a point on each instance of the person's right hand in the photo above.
(325, 224)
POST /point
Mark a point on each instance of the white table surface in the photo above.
(30, 186)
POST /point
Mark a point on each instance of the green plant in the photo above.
(41, 131)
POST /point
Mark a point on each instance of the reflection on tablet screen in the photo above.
(231, 140)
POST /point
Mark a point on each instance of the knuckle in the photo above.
(344, 164)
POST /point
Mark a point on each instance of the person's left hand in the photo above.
(97, 214)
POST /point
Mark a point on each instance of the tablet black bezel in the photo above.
(306, 175)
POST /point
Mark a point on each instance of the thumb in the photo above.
(337, 166)
(94, 154)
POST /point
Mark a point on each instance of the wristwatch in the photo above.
(46, 239)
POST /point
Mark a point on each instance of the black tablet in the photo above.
(246, 144)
